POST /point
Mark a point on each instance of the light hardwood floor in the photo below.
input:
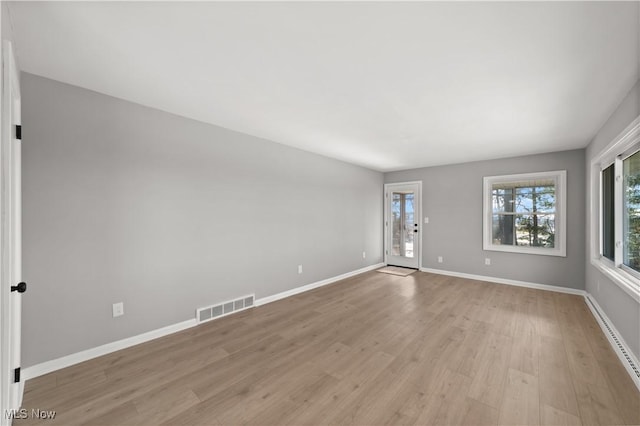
(373, 349)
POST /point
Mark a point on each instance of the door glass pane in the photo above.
(631, 211)
(608, 213)
(396, 223)
(408, 225)
(402, 224)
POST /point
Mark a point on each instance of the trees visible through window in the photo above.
(615, 210)
(524, 212)
(524, 215)
(631, 211)
(625, 171)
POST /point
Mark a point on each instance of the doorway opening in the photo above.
(402, 224)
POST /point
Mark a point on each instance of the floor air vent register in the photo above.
(616, 341)
(225, 308)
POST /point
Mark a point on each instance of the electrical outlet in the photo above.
(364, 254)
(118, 309)
(426, 220)
(487, 261)
(440, 260)
(299, 269)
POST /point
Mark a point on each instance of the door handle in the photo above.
(20, 288)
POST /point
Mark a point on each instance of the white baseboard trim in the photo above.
(517, 283)
(78, 357)
(298, 290)
(627, 357)
(620, 347)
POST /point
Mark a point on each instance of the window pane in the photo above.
(535, 230)
(536, 199)
(608, 212)
(523, 212)
(409, 220)
(631, 211)
(396, 223)
(502, 200)
(502, 226)
(402, 224)
(408, 209)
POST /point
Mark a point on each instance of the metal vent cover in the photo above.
(621, 348)
(209, 313)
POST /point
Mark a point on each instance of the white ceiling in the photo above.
(385, 85)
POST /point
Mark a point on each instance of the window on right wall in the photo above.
(620, 211)
(615, 211)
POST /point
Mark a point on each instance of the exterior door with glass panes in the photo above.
(402, 224)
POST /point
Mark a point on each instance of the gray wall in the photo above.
(452, 199)
(7, 33)
(621, 309)
(7, 29)
(127, 203)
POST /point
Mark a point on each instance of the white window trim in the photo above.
(560, 249)
(624, 142)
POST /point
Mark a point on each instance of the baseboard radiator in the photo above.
(621, 348)
(223, 309)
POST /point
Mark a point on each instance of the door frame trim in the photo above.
(385, 219)
(10, 233)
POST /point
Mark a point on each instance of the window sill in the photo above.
(627, 282)
(526, 250)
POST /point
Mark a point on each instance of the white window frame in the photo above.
(625, 144)
(560, 179)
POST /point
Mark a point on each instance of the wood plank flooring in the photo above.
(373, 349)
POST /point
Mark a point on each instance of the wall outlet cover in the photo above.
(118, 309)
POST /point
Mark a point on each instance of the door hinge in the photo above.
(18, 132)
(16, 375)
